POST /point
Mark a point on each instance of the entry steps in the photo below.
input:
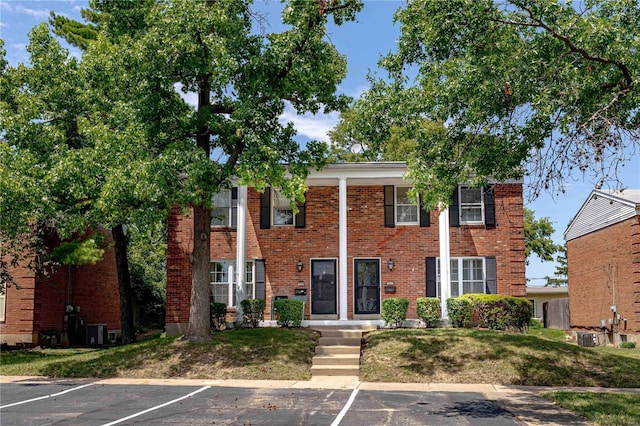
(338, 350)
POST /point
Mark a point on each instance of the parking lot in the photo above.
(83, 402)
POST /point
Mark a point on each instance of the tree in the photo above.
(543, 88)
(537, 237)
(562, 272)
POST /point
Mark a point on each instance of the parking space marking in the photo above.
(346, 407)
(46, 396)
(157, 407)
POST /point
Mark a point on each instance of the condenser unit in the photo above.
(587, 339)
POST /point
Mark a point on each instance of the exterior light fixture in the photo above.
(390, 264)
(300, 265)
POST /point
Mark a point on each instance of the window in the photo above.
(223, 281)
(470, 205)
(533, 304)
(224, 209)
(3, 298)
(282, 210)
(472, 278)
(406, 210)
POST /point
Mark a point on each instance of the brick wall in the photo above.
(18, 324)
(604, 270)
(408, 246)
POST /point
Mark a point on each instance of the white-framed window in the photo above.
(3, 304)
(471, 205)
(406, 210)
(467, 275)
(224, 209)
(282, 211)
(223, 281)
(533, 304)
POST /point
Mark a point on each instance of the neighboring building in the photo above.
(56, 309)
(538, 295)
(603, 258)
(356, 240)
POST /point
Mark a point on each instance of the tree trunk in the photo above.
(124, 285)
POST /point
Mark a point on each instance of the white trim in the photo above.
(344, 279)
(460, 204)
(445, 255)
(241, 251)
(395, 209)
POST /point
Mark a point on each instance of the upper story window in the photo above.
(471, 205)
(282, 210)
(276, 210)
(406, 210)
(225, 207)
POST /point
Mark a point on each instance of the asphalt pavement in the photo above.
(328, 401)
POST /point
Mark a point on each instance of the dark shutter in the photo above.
(432, 278)
(265, 209)
(491, 281)
(489, 206)
(425, 215)
(300, 218)
(389, 201)
(234, 207)
(260, 279)
(454, 210)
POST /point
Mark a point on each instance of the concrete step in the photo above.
(337, 349)
(335, 370)
(345, 327)
(342, 333)
(337, 359)
(339, 341)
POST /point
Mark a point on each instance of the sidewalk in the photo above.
(523, 402)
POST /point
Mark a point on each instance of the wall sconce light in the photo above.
(300, 265)
(390, 264)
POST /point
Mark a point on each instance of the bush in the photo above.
(627, 345)
(535, 324)
(289, 312)
(459, 309)
(428, 310)
(394, 311)
(253, 311)
(500, 312)
(218, 315)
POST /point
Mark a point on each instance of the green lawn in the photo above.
(601, 408)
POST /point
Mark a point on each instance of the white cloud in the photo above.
(34, 13)
(312, 126)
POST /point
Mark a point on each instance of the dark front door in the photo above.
(323, 287)
(367, 286)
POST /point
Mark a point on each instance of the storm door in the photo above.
(367, 286)
(323, 287)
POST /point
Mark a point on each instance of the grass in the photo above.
(264, 353)
(601, 408)
(484, 356)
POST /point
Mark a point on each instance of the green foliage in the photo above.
(85, 252)
(459, 310)
(289, 312)
(628, 345)
(253, 311)
(218, 315)
(600, 408)
(537, 237)
(394, 311)
(499, 312)
(428, 310)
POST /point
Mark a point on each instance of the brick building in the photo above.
(603, 258)
(356, 240)
(55, 309)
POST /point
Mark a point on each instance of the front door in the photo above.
(323, 287)
(367, 286)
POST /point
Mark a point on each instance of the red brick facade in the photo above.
(604, 270)
(367, 237)
(38, 305)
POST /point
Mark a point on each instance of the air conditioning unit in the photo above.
(96, 334)
(587, 339)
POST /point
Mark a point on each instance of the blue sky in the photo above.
(363, 42)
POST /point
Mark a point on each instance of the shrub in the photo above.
(535, 324)
(428, 310)
(289, 312)
(218, 315)
(500, 312)
(627, 345)
(253, 311)
(394, 311)
(459, 309)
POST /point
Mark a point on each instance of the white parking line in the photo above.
(148, 410)
(346, 407)
(46, 396)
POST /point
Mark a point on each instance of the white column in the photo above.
(241, 250)
(445, 257)
(342, 281)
